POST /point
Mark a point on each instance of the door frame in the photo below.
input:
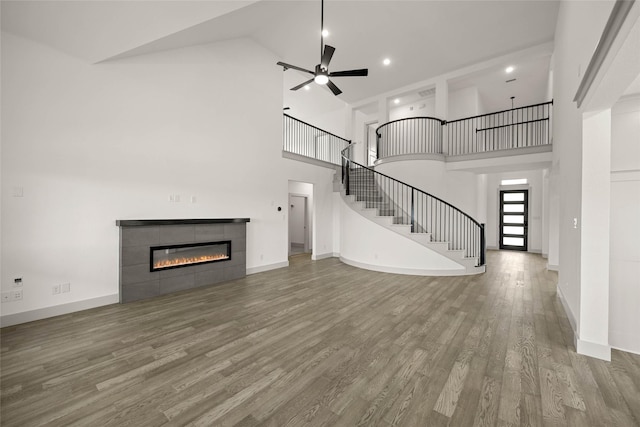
(367, 125)
(501, 223)
(307, 245)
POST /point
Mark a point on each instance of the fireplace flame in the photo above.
(186, 261)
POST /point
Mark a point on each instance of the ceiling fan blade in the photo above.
(301, 85)
(334, 88)
(350, 73)
(287, 66)
(326, 56)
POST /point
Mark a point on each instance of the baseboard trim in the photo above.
(626, 350)
(553, 267)
(322, 256)
(407, 271)
(587, 348)
(570, 316)
(592, 349)
(263, 268)
(616, 338)
(57, 310)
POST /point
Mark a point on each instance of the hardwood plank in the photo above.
(322, 343)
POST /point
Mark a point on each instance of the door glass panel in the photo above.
(513, 219)
(513, 230)
(513, 197)
(514, 208)
(513, 241)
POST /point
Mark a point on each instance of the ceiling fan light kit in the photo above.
(321, 74)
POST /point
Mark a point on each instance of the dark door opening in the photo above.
(514, 214)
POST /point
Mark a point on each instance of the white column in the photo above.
(545, 213)
(481, 191)
(553, 260)
(442, 108)
(593, 339)
(442, 99)
(383, 111)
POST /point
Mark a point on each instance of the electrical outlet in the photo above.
(6, 296)
(56, 289)
(65, 287)
(16, 295)
(17, 281)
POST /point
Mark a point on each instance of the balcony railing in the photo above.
(416, 135)
(521, 127)
(528, 126)
(309, 141)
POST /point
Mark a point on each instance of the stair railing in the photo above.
(307, 140)
(413, 135)
(425, 212)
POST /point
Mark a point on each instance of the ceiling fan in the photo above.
(321, 73)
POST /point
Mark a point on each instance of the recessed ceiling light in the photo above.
(509, 69)
(386, 61)
(396, 101)
(325, 33)
(307, 87)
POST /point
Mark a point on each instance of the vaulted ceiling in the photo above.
(423, 39)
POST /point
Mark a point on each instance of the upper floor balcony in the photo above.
(517, 131)
(521, 136)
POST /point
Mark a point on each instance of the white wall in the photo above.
(455, 187)
(423, 108)
(89, 144)
(578, 30)
(367, 244)
(624, 285)
(535, 187)
(463, 103)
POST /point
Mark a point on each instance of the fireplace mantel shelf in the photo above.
(192, 221)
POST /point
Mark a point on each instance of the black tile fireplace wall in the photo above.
(137, 282)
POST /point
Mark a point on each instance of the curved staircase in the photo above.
(440, 239)
(416, 215)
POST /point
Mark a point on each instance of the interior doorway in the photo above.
(372, 142)
(300, 209)
(298, 239)
(514, 213)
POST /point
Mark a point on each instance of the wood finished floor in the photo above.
(322, 343)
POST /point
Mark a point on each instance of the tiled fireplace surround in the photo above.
(137, 236)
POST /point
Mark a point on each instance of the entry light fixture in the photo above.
(509, 69)
(386, 61)
(516, 181)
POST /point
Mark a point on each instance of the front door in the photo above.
(514, 219)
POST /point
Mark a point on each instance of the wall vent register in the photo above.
(185, 255)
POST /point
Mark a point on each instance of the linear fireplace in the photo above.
(185, 255)
(191, 244)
